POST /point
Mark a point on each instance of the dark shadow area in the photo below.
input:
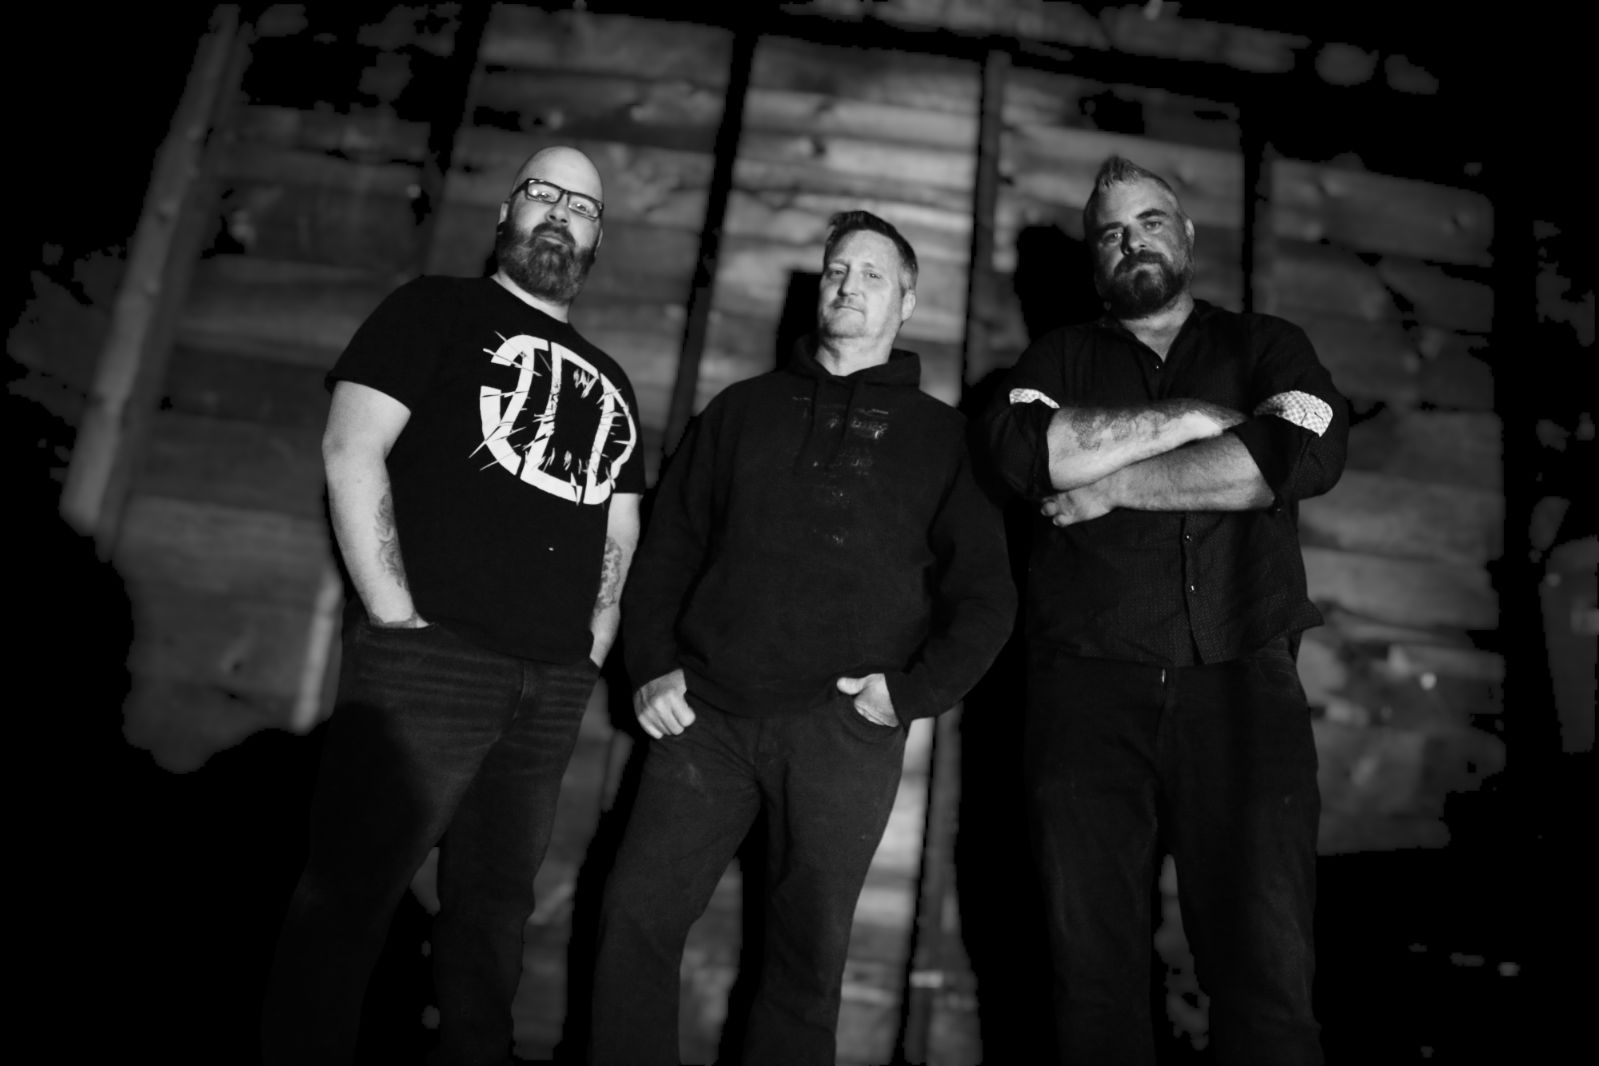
(1002, 910)
(799, 313)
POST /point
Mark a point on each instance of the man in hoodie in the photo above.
(820, 570)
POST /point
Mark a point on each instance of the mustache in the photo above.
(550, 229)
(1138, 259)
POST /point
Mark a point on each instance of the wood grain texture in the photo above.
(269, 392)
(565, 105)
(1322, 203)
(257, 467)
(925, 83)
(249, 648)
(1406, 367)
(524, 37)
(223, 550)
(1415, 592)
(1380, 288)
(1444, 447)
(295, 312)
(1402, 518)
(366, 135)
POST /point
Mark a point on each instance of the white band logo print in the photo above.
(586, 475)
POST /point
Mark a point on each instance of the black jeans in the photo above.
(826, 782)
(1217, 763)
(432, 737)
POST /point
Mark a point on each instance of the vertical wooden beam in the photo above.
(451, 105)
(698, 316)
(1532, 731)
(179, 210)
(930, 961)
(977, 356)
(1259, 233)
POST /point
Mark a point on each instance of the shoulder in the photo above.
(1262, 327)
(434, 288)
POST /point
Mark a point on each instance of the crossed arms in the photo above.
(1173, 455)
(1082, 461)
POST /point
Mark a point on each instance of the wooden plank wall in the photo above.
(225, 544)
(1389, 278)
(225, 547)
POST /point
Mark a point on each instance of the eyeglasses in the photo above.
(550, 194)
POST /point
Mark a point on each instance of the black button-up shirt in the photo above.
(1174, 588)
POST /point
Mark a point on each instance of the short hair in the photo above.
(1119, 170)
(844, 223)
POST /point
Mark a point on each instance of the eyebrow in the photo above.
(1152, 212)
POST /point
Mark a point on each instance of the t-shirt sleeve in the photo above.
(630, 475)
(398, 348)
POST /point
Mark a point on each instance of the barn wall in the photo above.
(327, 202)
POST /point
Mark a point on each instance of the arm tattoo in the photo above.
(610, 577)
(1094, 428)
(389, 541)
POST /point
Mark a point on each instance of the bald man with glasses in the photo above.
(483, 477)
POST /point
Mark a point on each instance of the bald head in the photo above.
(549, 230)
(566, 167)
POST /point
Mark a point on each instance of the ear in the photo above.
(505, 209)
(907, 304)
(1188, 225)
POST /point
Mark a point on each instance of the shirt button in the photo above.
(1187, 538)
(1192, 588)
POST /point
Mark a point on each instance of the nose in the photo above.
(848, 282)
(1132, 240)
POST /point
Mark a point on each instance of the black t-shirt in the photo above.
(520, 433)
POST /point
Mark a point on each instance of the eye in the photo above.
(1154, 224)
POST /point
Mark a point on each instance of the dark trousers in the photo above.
(432, 737)
(1218, 764)
(825, 782)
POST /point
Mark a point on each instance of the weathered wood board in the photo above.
(294, 312)
(1402, 518)
(524, 37)
(1322, 203)
(271, 470)
(1459, 448)
(250, 554)
(246, 389)
(1412, 592)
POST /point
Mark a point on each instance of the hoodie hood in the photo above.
(844, 421)
(903, 367)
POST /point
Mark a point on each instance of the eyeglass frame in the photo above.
(566, 194)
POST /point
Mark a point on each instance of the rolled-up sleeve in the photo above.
(1298, 429)
(1015, 427)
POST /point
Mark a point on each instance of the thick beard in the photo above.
(1130, 293)
(553, 272)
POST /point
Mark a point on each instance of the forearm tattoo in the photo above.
(389, 541)
(610, 577)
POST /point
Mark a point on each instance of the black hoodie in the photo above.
(811, 527)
